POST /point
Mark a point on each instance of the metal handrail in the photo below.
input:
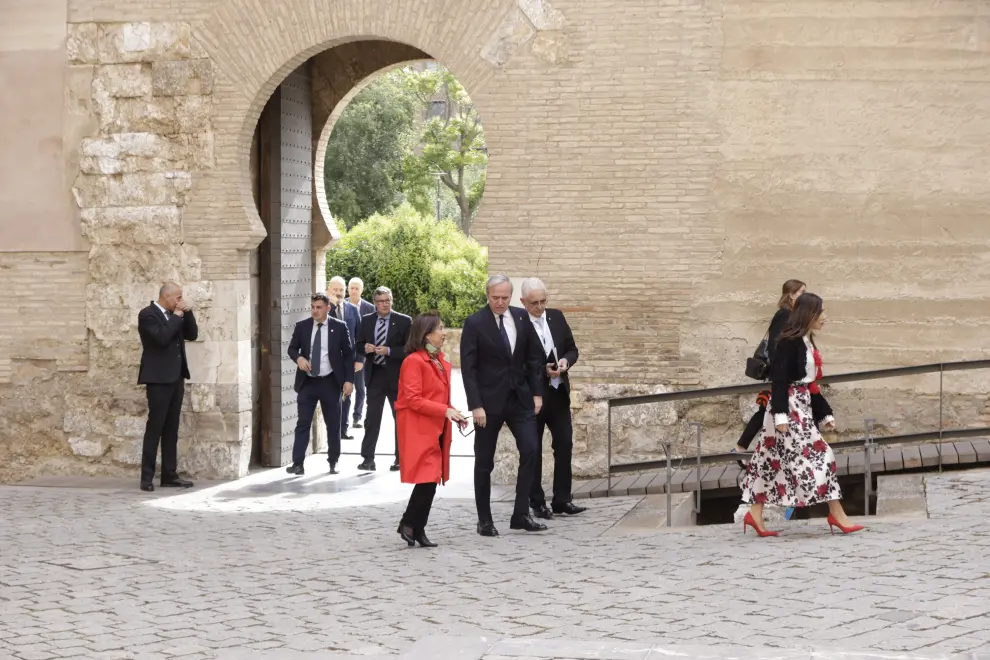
(868, 442)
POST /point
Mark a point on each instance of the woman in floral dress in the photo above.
(792, 465)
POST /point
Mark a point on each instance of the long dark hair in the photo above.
(807, 308)
(422, 325)
(789, 288)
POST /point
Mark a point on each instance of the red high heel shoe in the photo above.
(748, 520)
(832, 522)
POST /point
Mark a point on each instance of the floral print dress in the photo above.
(795, 467)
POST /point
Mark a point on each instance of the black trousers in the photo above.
(164, 407)
(345, 412)
(326, 392)
(753, 427)
(522, 422)
(555, 415)
(420, 503)
(377, 395)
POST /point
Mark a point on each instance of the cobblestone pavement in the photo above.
(115, 573)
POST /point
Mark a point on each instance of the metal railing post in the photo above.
(867, 463)
(666, 449)
(941, 374)
(609, 436)
(697, 507)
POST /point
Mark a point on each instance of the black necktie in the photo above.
(316, 354)
(505, 335)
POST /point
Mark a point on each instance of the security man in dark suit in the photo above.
(164, 326)
(324, 357)
(381, 348)
(561, 353)
(502, 365)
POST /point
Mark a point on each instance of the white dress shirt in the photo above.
(325, 368)
(510, 328)
(164, 311)
(543, 330)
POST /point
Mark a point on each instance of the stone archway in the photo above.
(252, 51)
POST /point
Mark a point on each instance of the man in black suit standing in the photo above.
(354, 290)
(502, 365)
(561, 353)
(164, 326)
(324, 357)
(381, 348)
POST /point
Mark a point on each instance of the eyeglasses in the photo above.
(469, 430)
(537, 303)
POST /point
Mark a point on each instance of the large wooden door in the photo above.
(286, 255)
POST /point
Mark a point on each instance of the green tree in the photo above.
(451, 147)
(427, 264)
(364, 162)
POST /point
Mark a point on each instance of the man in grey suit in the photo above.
(354, 289)
(342, 310)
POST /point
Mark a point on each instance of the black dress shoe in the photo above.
(296, 468)
(344, 436)
(395, 467)
(527, 523)
(406, 532)
(150, 488)
(570, 508)
(367, 465)
(487, 529)
(542, 512)
(176, 482)
(423, 541)
(357, 424)
(333, 468)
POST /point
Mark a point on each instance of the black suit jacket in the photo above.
(339, 348)
(163, 343)
(563, 342)
(399, 326)
(489, 372)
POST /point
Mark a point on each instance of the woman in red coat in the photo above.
(423, 417)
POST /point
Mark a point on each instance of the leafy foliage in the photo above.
(427, 264)
(396, 139)
(364, 160)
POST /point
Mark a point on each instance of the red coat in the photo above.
(420, 417)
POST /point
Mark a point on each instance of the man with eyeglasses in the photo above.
(381, 348)
(561, 354)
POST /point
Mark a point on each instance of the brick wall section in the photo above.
(663, 166)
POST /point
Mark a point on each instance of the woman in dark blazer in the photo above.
(423, 416)
(792, 465)
(789, 292)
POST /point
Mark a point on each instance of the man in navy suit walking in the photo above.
(502, 364)
(324, 357)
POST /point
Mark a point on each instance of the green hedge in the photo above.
(427, 264)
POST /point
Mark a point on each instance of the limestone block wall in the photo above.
(663, 166)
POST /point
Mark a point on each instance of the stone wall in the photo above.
(663, 167)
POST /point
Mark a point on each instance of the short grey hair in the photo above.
(498, 278)
(531, 284)
(382, 291)
(339, 280)
(356, 280)
(167, 288)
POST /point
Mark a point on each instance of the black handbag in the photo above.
(758, 366)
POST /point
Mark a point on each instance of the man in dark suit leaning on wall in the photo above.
(324, 357)
(164, 326)
(561, 354)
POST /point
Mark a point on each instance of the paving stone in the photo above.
(104, 574)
